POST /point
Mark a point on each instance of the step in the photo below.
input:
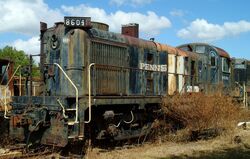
(72, 136)
(71, 123)
(76, 136)
(71, 109)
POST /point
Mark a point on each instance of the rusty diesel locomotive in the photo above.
(104, 85)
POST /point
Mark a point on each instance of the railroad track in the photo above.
(20, 151)
(72, 150)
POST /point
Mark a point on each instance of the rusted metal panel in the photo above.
(73, 60)
(110, 80)
(181, 73)
(106, 54)
(222, 52)
(182, 52)
(53, 42)
(147, 45)
(192, 55)
(56, 134)
(100, 26)
(131, 41)
(163, 84)
(166, 48)
(172, 52)
(172, 85)
(140, 43)
(109, 36)
(111, 69)
(16, 131)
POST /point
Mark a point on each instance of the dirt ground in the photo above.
(230, 146)
(225, 146)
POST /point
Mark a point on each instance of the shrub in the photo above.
(201, 114)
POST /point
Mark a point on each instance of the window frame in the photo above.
(223, 61)
(199, 46)
(213, 55)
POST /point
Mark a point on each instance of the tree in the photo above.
(18, 57)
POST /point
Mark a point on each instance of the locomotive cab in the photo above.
(212, 67)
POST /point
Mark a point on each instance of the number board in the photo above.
(77, 22)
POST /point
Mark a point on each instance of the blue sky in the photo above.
(224, 23)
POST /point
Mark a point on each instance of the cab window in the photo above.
(200, 49)
(213, 60)
(225, 65)
(186, 48)
(3, 74)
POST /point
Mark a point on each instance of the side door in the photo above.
(214, 66)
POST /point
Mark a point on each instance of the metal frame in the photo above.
(89, 83)
(5, 93)
(72, 83)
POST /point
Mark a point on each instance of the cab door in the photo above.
(149, 60)
(214, 66)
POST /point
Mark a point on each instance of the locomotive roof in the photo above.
(116, 37)
(124, 40)
(220, 51)
(174, 50)
(167, 48)
(119, 38)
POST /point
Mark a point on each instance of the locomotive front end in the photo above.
(56, 116)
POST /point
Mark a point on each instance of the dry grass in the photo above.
(197, 112)
(219, 147)
(185, 114)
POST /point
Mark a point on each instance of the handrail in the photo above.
(5, 70)
(244, 95)
(5, 93)
(89, 83)
(76, 119)
(63, 109)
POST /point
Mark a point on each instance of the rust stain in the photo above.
(222, 52)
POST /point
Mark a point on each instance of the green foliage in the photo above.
(18, 57)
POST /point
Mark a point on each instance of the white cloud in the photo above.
(200, 29)
(24, 16)
(30, 46)
(150, 23)
(130, 2)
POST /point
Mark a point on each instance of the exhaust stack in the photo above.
(131, 29)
